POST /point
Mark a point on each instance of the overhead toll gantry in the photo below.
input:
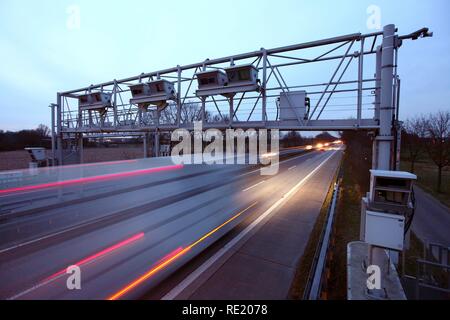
(353, 95)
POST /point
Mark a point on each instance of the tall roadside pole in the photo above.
(52, 127)
(384, 140)
(377, 104)
(385, 137)
(59, 140)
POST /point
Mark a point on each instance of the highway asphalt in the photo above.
(131, 229)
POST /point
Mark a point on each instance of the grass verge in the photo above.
(304, 271)
(426, 173)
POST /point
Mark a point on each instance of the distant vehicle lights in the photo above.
(269, 155)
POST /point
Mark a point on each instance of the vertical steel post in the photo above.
(156, 152)
(145, 138)
(52, 127)
(59, 129)
(264, 84)
(398, 146)
(386, 108)
(399, 126)
(360, 81)
(158, 115)
(81, 147)
(374, 153)
(384, 139)
(377, 84)
(231, 110)
(115, 104)
(203, 110)
(179, 97)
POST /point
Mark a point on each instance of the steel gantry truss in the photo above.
(258, 108)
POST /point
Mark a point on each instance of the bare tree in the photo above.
(292, 139)
(190, 112)
(43, 130)
(169, 114)
(438, 146)
(413, 140)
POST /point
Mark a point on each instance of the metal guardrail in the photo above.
(314, 287)
(432, 273)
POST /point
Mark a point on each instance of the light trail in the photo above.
(81, 263)
(233, 242)
(105, 177)
(172, 257)
(84, 165)
(100, 254)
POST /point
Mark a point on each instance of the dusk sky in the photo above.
(42, 54)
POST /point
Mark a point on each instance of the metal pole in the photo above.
(264, 85)
(231, 110)
(52, 106)
(386, 108)
(81, 148)
(360, 80)
(115, 104)
(145, 138)
(156, 153)
(384, 140)
(179, 97)
(203, 110)
(58, 128)
(398, 146)
(377, 83)
(374, 154)
(158, 114)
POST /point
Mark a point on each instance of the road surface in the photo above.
(129, 226)
(431, 220)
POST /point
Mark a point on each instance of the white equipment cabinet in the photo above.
(386, 209)
(156, 92)
(293, 104)
(94, 101)
(232, 80)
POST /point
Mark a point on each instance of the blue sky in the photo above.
(40, 55)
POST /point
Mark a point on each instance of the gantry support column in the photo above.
(383, 144)
(385, 137)
(264, 85)
(145, 143)
(156, 145)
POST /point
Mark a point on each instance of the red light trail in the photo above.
(105, 177)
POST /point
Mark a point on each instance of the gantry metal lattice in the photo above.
(348, 98)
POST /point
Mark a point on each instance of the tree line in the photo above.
(39, 137)
(428, 135)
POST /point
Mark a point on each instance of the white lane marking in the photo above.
(172, 294)
(39, 285)
(284, 161)
(253, 186)
(88, 222)
(291, 168)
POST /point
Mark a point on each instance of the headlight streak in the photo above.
(172, 257)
